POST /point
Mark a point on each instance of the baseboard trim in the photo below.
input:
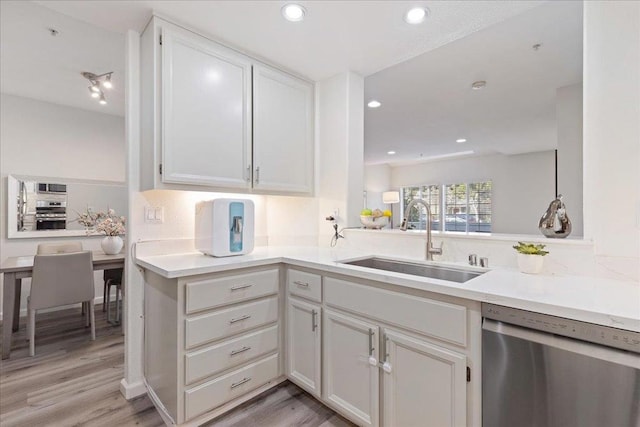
(131, 391)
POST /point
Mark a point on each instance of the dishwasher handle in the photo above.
(609, 354)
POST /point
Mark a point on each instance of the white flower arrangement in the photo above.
(107, 223)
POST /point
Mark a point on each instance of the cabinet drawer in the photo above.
(437, 319)
(221, 390)
(210, 293)
(211, 360)
(306, 285)
(230, 321)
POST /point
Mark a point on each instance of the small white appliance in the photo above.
(224, 227)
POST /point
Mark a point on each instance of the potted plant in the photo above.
(530, 257)
(112, 226)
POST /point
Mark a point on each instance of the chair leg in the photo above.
(93, 321)
(28, 318)
(104, 296)
(84, 309)
(32, 332)
(87, 320)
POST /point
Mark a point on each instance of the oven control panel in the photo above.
(603, 335)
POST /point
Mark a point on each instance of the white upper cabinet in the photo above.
(206, 112)
(217, 120)
(282, 131)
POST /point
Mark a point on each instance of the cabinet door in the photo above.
(422, 382)
(350, 380)
(303, 345)
(206, 112)
(282, 131)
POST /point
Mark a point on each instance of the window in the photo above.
(462, 207)
(418, 216)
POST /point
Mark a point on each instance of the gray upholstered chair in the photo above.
(64, 248)
(60, 279)
(59, 248)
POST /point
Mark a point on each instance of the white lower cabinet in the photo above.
(304, 335)
(422, 383)
(351, 376)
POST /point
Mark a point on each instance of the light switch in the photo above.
(153, 214)
(159, 214)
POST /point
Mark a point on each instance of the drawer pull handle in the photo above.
(239, 383)
(237, 288)
(242, 350)
(314, 322)
(237, 319)
(371, 347)
(303, 284)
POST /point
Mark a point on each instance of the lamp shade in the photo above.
(391, 197)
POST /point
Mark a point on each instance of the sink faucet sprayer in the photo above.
(430, 249)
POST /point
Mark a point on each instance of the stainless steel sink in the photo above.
(436, 272)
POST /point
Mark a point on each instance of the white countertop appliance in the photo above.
(225, 227)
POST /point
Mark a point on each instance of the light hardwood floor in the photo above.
(73, 381)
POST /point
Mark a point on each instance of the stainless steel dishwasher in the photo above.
(546, 371)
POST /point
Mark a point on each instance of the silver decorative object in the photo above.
(555, 222)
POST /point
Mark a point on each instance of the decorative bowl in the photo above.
(374, 223)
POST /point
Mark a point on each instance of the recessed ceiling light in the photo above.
(416, 15)
(461, 140)
(374, 104)
(480, 84)
(391, 153)
(293, 12)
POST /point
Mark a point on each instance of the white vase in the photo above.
(112, 245)
(530, 264)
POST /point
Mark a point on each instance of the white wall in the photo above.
(612, 131)
(569, 120)
(44, 139)
(523, 185)
(340, 136)
(377, 180)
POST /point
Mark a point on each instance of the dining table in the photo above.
(17, 268)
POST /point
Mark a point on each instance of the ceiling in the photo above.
(37, 65)
(362, 36)
(428, 103)
(336, 36)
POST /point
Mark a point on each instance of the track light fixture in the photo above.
(97, 82)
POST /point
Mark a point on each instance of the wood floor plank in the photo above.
(72, 381)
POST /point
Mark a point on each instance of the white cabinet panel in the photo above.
(282, 131)
(230, 321)
(222, 290)
(434, 318)
(423, 382)
(228, 354)
(223, 389)
(305, 285)
(303, 344)
(351, 381)
(206, 112)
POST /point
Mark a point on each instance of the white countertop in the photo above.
(600, 301)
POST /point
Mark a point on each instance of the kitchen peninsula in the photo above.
(302, 314)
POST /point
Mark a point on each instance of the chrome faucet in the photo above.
(430, 249)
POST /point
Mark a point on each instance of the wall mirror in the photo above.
(49, 206)
(490, 111)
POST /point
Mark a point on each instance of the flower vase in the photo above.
(530, 264)
(112, 245)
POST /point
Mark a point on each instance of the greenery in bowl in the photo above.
(530, 249)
